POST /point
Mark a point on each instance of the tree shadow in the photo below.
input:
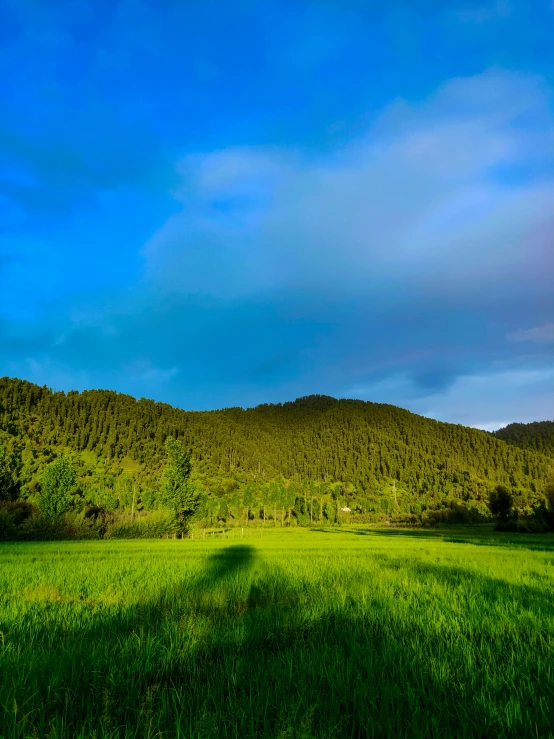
(461, 535)
(247, 648)
(474, 584)
(227, 562)
(532, 542)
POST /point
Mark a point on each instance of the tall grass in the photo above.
(299, 634)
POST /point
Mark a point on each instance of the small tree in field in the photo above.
(179, 493)
(500, 502)
(57, 484)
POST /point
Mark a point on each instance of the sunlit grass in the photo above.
(298, 634)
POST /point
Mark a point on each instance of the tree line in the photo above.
(313, 460)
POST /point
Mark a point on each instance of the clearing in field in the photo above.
(300, 634)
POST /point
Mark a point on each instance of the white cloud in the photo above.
(436, 205)
(540, 334)
(419, 202)
(392, 267)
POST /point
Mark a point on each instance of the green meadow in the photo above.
(301, 633)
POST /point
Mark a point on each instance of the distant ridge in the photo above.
(368, 447)
(538, 435)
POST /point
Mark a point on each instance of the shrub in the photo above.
(42, 528)
(12, 515)
(405, 519)
(19, 510)
(92, 523)
(8, 528)
(150, 526)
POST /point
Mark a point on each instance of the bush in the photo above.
(92, 523)
(405, 519)
(150, 526)
(22, 521)
(8, 528)
(19, 510)
(12, 515)
(42, 528)
(303, 519)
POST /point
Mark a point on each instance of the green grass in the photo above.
(302, 634)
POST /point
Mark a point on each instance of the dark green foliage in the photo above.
(58, 482)
(9, 487)
(538, 435)
(500, 502)
(549, 492)
(548, 506)
(12, 515)
(19, 510)
(276, 463)
(160, 523)
(179, 493)
(537, 519)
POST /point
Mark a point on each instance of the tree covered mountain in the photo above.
(538, 436)
(375, 458)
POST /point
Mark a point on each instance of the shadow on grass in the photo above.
(461, 535)
(227, 562)
(246, 650)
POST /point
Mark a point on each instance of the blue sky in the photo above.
(219, 204)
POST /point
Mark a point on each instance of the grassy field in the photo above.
(299, 634)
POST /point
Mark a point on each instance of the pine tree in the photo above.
(312, 442)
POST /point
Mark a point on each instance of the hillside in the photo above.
(538, 436)
(384, 457)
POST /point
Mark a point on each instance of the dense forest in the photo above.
(314, 459)
(538, 435)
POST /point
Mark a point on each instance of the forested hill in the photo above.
(370, 448)
(538, 435)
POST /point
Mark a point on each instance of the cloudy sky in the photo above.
(218, 204)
